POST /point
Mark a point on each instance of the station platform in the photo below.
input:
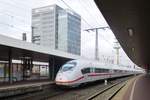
(138, 88)
(23, 87)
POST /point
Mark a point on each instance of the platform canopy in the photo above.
(19, 49)
(129, 21)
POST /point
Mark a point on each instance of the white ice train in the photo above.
(76, 72)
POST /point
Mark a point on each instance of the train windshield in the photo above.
(68, 66)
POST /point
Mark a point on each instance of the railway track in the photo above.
(95, 92)
(88, 92)
(108, 93)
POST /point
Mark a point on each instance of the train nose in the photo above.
(61, 79)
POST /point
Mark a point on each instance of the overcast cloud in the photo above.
(15, 18)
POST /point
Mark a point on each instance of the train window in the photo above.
(117, 71)
(99, 70)
(68, 66)
(105, 70)
(120, 71)
(73, 63)
(85, 70)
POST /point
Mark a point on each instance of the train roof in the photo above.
(101, 65)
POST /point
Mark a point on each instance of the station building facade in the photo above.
(57, 28)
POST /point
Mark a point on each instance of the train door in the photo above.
(85, 73)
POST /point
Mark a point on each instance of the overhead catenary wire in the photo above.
(27, 5)
(86, 21)
(14, 5)
(89, 25)
(14, 27)
(85, 7)
(76, 12)
(17, 18)
(10, 12)
(20, 20)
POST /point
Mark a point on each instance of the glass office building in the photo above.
(57, 28)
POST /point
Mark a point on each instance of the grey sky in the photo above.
(15, 18)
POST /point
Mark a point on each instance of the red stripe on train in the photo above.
(92, 74)
(70, 81)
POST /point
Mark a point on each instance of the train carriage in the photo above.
(76, 72)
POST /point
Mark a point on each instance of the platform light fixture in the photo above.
(133, 49)
(130, 31)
